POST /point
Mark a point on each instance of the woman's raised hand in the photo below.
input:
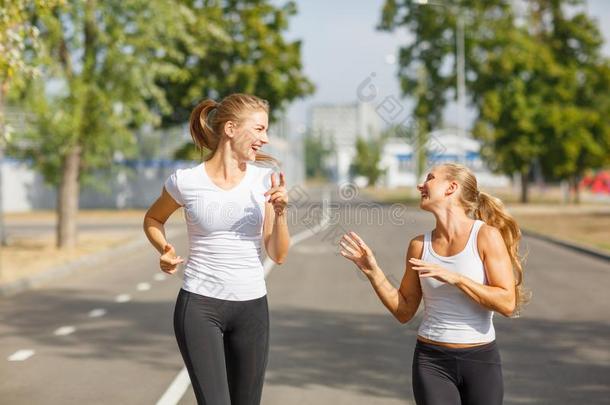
(354, 249)
(278, 195)
(169, 261)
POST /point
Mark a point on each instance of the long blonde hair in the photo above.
(490, 209)
(209, 117)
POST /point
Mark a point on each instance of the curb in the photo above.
(597, 253)
(37, 280)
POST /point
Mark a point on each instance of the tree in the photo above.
(367, 159)
(99, 65)
(111, 67)
(316, 155)
(536, 79)
(18, 37)
(511, 93)
(234, 46)
(576, 126)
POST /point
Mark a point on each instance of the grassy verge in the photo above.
(587, 228)
(28, 254)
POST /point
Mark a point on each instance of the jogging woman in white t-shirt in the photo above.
(232, 207)
(465, 269)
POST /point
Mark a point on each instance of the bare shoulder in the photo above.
(489, 239)
(416, 246)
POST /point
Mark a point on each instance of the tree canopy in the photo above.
(534, 74)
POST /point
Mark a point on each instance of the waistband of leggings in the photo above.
(207, 298)
(431, 347)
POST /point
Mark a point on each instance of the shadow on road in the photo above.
(136, 331)
(545, 362)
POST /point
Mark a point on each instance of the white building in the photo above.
(343, 124)
(444, 145)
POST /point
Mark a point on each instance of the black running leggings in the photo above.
(224, 345)
(466, 376)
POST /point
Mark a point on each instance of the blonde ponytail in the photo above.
(490, 209)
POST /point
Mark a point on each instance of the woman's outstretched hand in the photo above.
(354, 249)
(278, 195)
(169, 261)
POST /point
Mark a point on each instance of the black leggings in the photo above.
(467, 376)
(224, 345)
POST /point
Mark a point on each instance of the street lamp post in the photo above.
(459, 55)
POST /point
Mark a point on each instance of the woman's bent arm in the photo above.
(499, 293)
(276, 234)
(155, 218)
(404, 301)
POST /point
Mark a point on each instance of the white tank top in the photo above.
(451, 316)
(225, 232)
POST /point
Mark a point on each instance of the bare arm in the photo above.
(275, 225)
(402, 302)
(275, 234)
(155, 218)
(154, 228)
(499, 293)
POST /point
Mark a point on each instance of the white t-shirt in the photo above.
(225, 232)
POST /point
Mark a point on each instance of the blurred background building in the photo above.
(339, 125)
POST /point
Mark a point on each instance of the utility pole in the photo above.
(460, 60)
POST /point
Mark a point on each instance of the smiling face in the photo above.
(436, 190)
(250, 135)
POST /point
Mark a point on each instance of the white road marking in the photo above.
(96, 313)
(159, 277)
(64, 330)
(21, 355)
(143, 286)
(178, 387)
(123, 298)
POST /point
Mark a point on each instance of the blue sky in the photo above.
(342, 48)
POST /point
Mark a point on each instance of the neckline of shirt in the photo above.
(227, 190)
(461, 251)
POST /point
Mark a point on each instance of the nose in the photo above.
(420, 187)
(264, 138)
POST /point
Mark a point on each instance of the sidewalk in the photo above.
(31, 258)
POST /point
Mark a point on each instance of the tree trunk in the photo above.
(574, 180)
(525, 186)
(67, 199)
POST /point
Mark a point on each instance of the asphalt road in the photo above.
(332, 342)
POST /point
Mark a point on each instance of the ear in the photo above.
(230, 128)
(452, 188)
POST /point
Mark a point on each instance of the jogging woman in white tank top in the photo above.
(232, 207)
(465, 269)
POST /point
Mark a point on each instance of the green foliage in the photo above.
(316, 154)
(234, 46)
(19, 37)
(108, 68)
(189, 152)
(537, 79)
(367, 159)
(98, 76)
